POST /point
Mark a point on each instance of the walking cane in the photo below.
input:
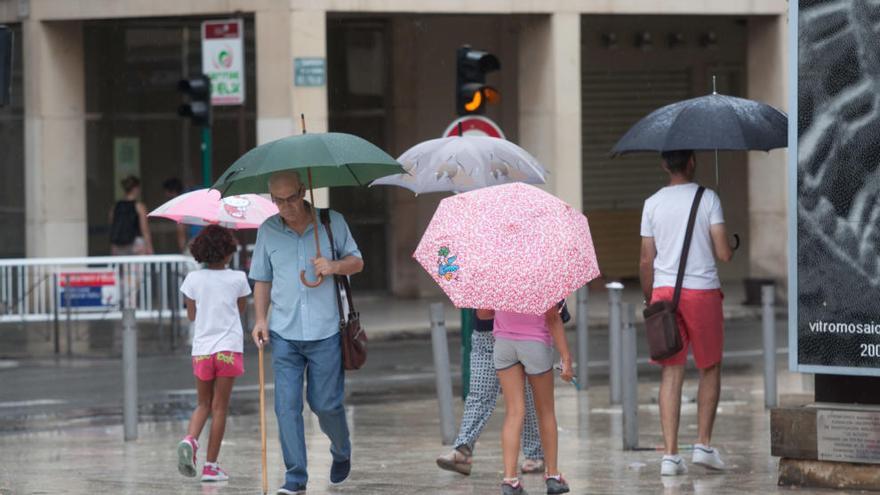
(263, 419)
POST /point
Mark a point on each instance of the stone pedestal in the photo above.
(827, 445)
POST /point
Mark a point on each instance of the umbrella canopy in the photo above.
(464, 163)
(206, 207)
(512, 247)
(713, 122)
(334, 159)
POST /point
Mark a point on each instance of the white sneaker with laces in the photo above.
(672, 465)
(708, 457)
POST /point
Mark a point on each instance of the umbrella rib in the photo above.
(353, 174)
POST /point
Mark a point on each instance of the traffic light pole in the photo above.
(206, 156)
(467, 328)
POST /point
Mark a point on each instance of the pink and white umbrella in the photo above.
(206, 207)
(512, 247)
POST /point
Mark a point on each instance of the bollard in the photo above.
(129, 375)
(67, 293)
(768, 320)
(615, 293)
(629, 379)
(583, 326)
(441, 369)
(55, 319)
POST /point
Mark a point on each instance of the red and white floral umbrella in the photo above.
(206, 207)
(512, 247)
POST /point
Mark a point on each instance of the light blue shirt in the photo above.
(298, 312)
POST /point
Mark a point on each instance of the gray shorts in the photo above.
(536, 357)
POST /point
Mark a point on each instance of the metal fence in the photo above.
(92, 288)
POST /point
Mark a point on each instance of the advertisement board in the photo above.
(88, 290)
(834, 188)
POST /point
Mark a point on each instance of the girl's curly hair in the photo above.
(213, 244)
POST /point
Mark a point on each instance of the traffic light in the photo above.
(5, 65)
(198, 108)
(472, 93)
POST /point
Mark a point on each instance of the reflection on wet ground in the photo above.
(395, 443)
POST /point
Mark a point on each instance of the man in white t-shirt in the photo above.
(700, 316)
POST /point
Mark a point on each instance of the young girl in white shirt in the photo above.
(215, 297)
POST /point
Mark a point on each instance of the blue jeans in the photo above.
(321, 362)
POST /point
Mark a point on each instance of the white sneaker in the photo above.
(708, 457)
(672, 465)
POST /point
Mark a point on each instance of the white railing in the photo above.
(92, 288)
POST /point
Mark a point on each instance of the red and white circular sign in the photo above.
(474, 125)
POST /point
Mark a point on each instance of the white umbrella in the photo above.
(464, 163)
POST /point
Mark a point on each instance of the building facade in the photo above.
(95, 95)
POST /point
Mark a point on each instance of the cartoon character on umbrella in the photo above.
(446, 267)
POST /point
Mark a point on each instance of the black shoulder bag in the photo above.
(661, 325)
(352, 335)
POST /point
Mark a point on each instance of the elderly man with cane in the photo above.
(303, 328)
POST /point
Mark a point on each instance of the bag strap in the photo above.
(689, 233)
(339, 280)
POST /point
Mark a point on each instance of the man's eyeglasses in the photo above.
(290, 200)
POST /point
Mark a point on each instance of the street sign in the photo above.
(309, 71)
(474, 125)
(88, 290)
(223, 60)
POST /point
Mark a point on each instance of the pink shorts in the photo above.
(225, 363)
(701, 324)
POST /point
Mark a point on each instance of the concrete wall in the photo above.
(768, 189)
(55, 172)
(104, 9)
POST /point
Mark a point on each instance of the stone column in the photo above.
(550, 99)
(768, 190)
(279, 101)
(55, 147)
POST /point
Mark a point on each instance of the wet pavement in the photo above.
(395, 442)
(60, 428)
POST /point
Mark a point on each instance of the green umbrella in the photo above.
(327, 159)
(332, 159)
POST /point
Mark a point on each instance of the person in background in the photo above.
(129, 230)
(700, 316)
(173, 188)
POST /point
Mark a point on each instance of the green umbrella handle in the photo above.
(310, 285)
(302, 273)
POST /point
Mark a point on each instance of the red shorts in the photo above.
(700, 322)
(225, 363)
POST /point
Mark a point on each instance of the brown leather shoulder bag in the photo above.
(352, 336)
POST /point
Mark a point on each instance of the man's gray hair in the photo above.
(284, 175)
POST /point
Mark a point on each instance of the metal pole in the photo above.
(768, 319)
(206, 156)
(67, 294)
(441, 369)
(129, 375)
(55, 318)
(467, 330)
(615, 293)
(630, 380)
(583, 325)
(173, 303)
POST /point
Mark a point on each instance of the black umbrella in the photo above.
(713, 122)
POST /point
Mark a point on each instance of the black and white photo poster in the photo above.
(838, 187)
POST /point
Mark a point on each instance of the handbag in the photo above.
(661, 323)
(353, 338)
